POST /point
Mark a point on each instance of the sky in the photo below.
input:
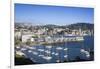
(46, 14)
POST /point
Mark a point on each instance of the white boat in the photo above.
(47, 51)
(29, 51)
(17, 47)
(56, 54)
(41, 55)
(35, 53)
(65, 49)
(32, 48)
(65, 56)
(23, 49)
(87, 55)
(49, 47)
(53, 53)
(20, 53)
(41, 50)
(59, 48)
(47, 57)
(82, 50)
(57, 61)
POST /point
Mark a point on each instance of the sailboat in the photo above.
(40, 54)
(66, 53)
(47, 56)
(58, 49)
(83, 51)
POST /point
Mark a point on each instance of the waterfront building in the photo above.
(26, 37)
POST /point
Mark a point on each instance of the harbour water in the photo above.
(61, 52)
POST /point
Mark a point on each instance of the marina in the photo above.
(55, 53)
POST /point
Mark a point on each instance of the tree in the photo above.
(28, 42)
(17, 42)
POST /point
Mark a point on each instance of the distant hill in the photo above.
(23, 25)
(77, 26)
(50, 26)
(83, 26)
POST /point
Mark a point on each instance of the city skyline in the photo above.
(46, 14)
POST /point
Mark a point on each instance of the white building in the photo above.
(17, 35)
(32, 39)
(26, 37)
(49, 39)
